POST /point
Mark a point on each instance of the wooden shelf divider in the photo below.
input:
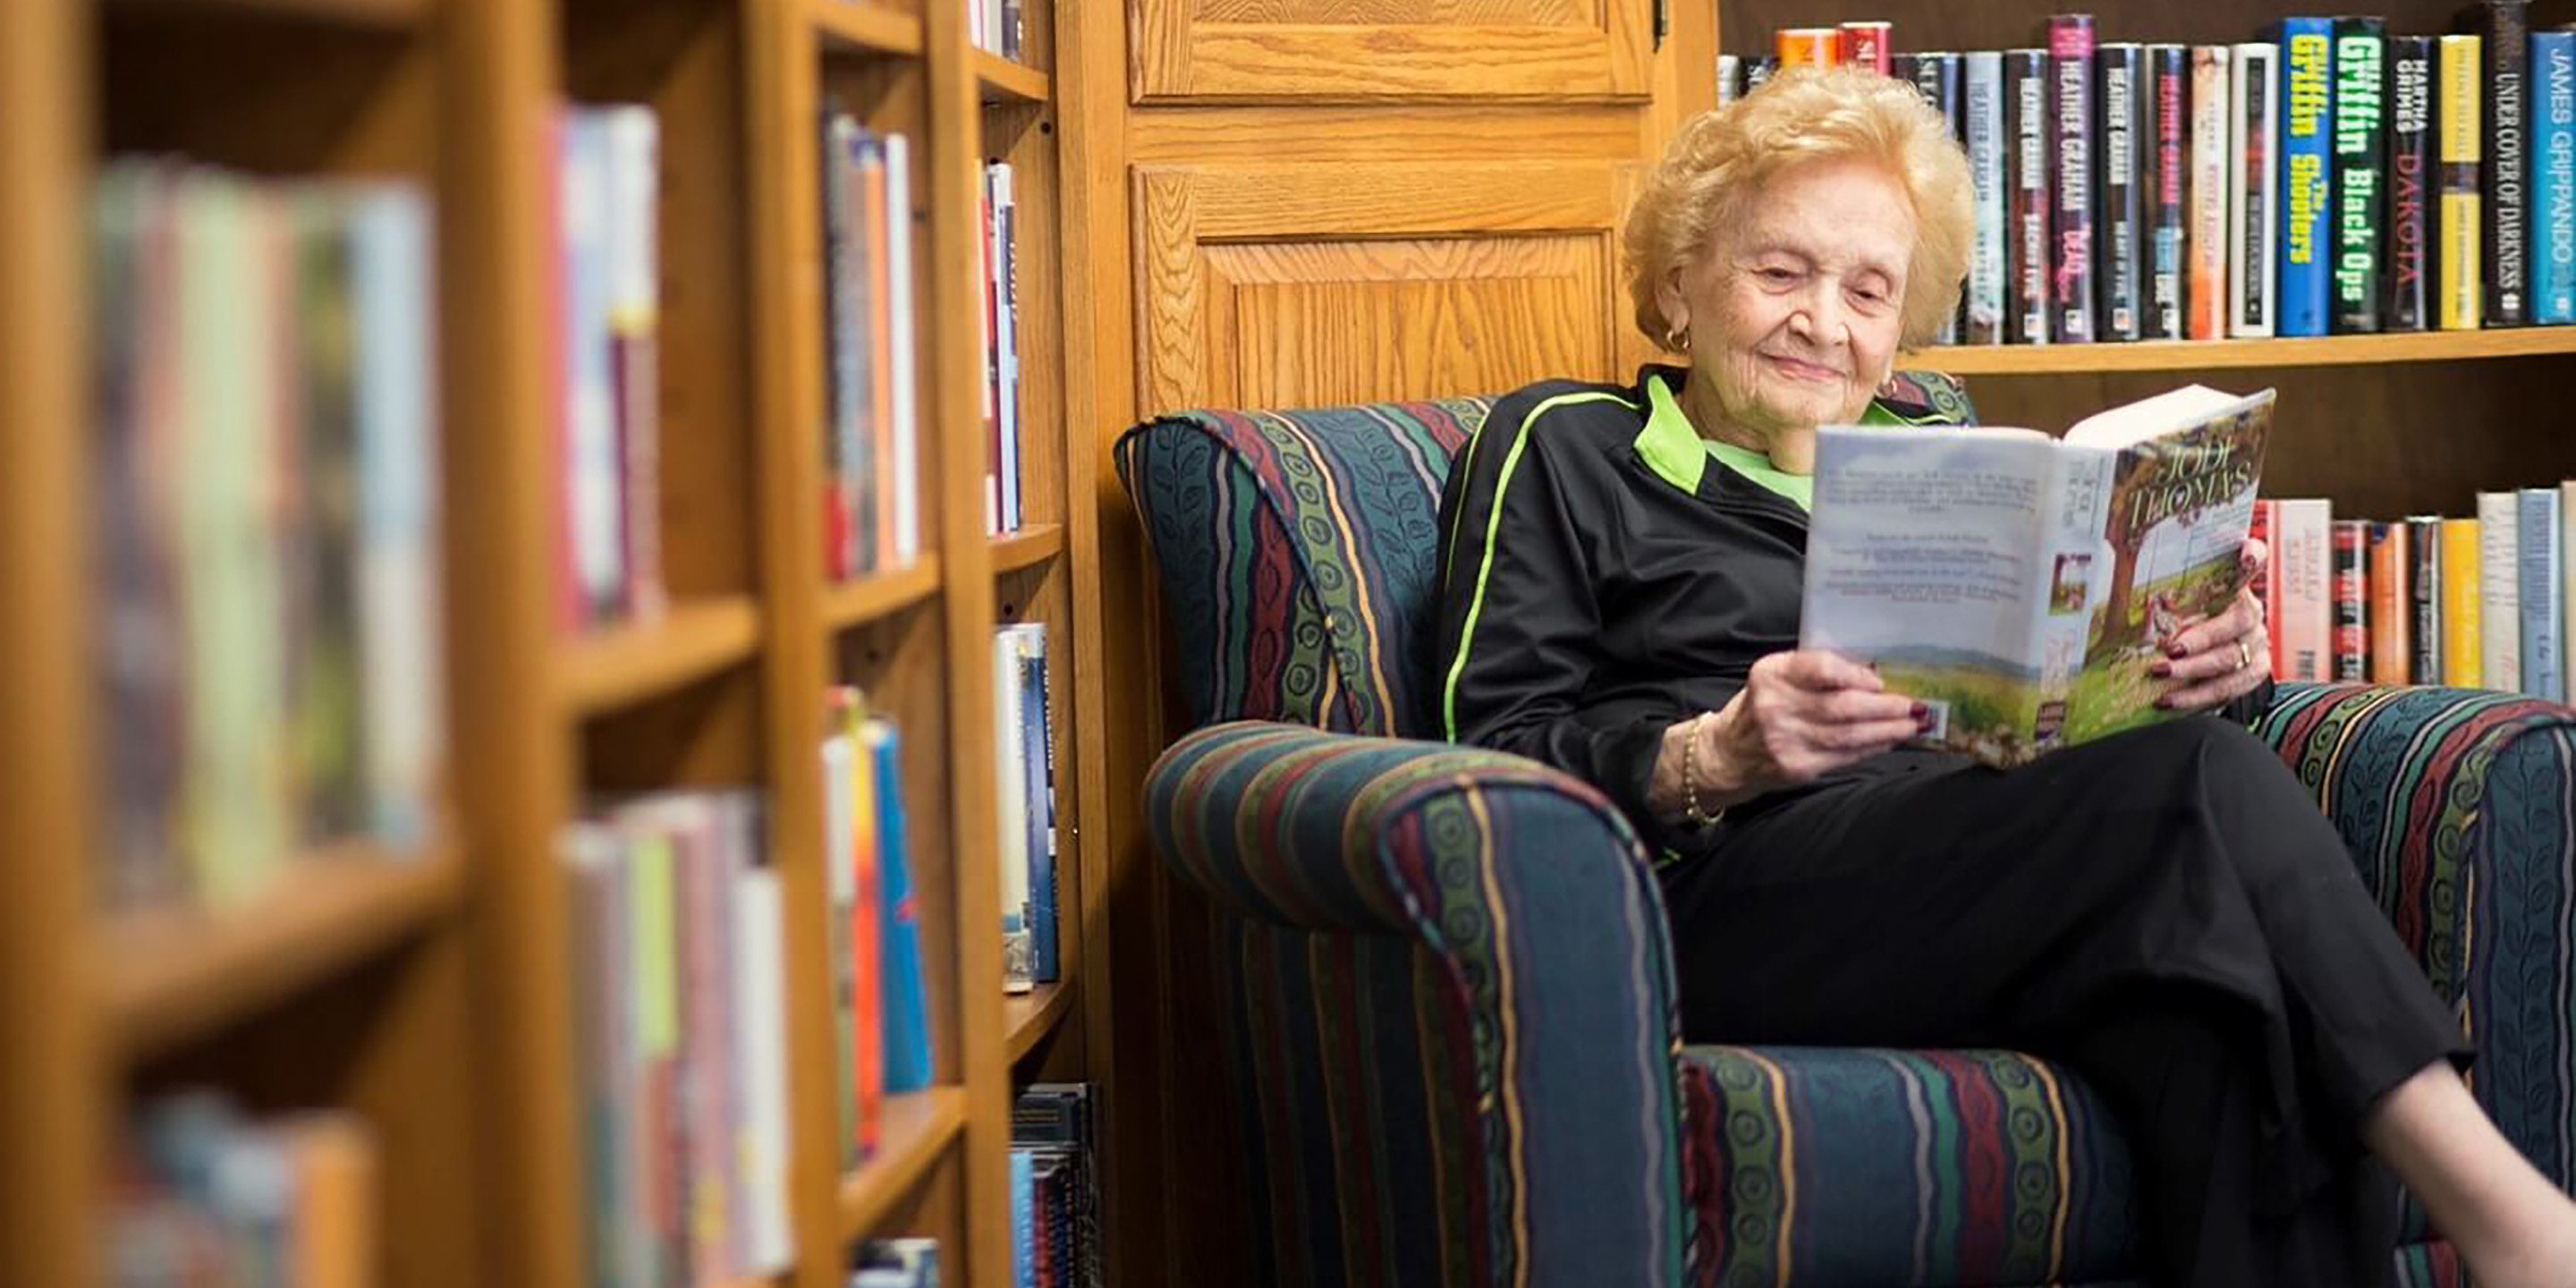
(2191, 355)
(860, 26)
(629, 663)
(1028, 1017)
(165, 975)
(916, 1130)
(1000, 80)
(389, 15)
(1032, 545)
(880, 595)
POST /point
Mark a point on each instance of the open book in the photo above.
(2020, 585)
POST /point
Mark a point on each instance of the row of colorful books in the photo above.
(896, 1263)
(1055, 1188)
(1002, 414)
(1000, 26)
(2330, 179)
(606, 300)
(1024, 769)
(265, 524)
(880, 1012)
(2476, 602)
(871, 449)
(201, 1197)
(680, 1030)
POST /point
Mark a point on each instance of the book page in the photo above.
(1921, 560)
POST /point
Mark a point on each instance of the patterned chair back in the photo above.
(1299, 555)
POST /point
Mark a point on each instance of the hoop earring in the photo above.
(1677, 339)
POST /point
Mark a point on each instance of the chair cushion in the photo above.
(1900, 1169)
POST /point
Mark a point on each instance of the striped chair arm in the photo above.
(2458, 806)
(1524, 921)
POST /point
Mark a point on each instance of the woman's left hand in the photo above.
(2219, 659)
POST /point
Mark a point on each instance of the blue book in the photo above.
(2552, 242)
(2307, 176)
(1024, 1219)
(904, 1008)
(1038, 758)
(2540, 595)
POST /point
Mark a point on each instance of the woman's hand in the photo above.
(1799, 715)
(2218, 659)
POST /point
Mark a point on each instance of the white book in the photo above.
(2253, 189)
(401, 621)
(2567, 585)
(2499, 606)
(2303, 542)
(2205, 281)
(2544, 612)
(592, 481)
(1011, 798)
(760, 1072)
(1983, 89)
(900, 354)
(1006, 339)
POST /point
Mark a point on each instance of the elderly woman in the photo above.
(2164, 911)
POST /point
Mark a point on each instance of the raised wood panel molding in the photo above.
(1315, 285)
(1385, 50)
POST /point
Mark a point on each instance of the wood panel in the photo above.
(1316, 284)
(1383, 50)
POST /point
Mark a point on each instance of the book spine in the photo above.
(2407, 283)
(1909, 69)
(2462, 154)
(2391, 616)
(904, 1003)
(2305, 615)
(2070, 144)
(2360, 170)
(2499, 606)
(2118, 69)
(2553, 177)
(2307, 174)
(2424, 597)
(2351, 599)
(2537, 559)
(2026, 232)
(2265, 526)
(2253, 191)
(2462, 648)
(1757, 72)
(2566, 584)
(1730, 79)
(903, 376)
(2168, 183)
(2205, 286)
(1936, 76)
(1983, 91)
(2506, 29)
(1868, 44)
(1822, 46)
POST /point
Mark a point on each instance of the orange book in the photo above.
(867, 966)
(1822, 46)
(334, 1162)
(2460, 586)
(2392, 613)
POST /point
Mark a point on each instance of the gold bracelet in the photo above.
(1691, 812)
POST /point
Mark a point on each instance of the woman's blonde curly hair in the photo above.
(1807, 113)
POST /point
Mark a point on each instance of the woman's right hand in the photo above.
(1800, 714)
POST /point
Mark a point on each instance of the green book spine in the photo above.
(2360, 170)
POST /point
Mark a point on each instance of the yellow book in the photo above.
(2460, 584)
(2463, 307)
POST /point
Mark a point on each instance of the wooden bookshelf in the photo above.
(1028, 1018)
(432, 992)
(2203, 355)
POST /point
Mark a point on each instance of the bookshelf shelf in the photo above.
(853, 26)
(2190, 355)
(1027, 548)
(1000, 80)
(377, 14)
(917, 1129)
(1027, 1018)
(169, 974)
(631, 663)
(880, 595)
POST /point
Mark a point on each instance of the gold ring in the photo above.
(2244, 655)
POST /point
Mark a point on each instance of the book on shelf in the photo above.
(880, 1012)
(2205, 289)
(2503, 30)
(2413, 184)
(2424, 597)
(2360, 169)
(607, 431)
(2253, 191)
(1981, 305)
(1821, 46)
(2120, 73)
(2302, 617)
(1003, 509)
(903, 1000)
(2165, 146)
(2307, 175)
(871, 493)
(2391, 618)
(2463, 633)
(2020, 586)
(2553, 177)
(2349, 593)
(683, 1115)
(199, 1193)
(2499, 581)
(1024, 770)
(2462, 149)
(1730, 79)
(2029, 258)
(1056, 1125)
(265, 525)
(895, 1263)
(2540, 592)
(2073, 168)
(1868, 44)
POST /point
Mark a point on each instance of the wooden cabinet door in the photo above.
(1389, 50)
(1322, 285)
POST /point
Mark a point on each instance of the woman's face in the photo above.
(1795, 311)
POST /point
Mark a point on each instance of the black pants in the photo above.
(2166, 912)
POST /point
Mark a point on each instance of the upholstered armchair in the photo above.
(1453, 1049)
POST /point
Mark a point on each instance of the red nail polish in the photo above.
(2161, 670)
(2175, 650)
(1920, 712)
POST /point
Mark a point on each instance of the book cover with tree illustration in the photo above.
(2021, 585)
